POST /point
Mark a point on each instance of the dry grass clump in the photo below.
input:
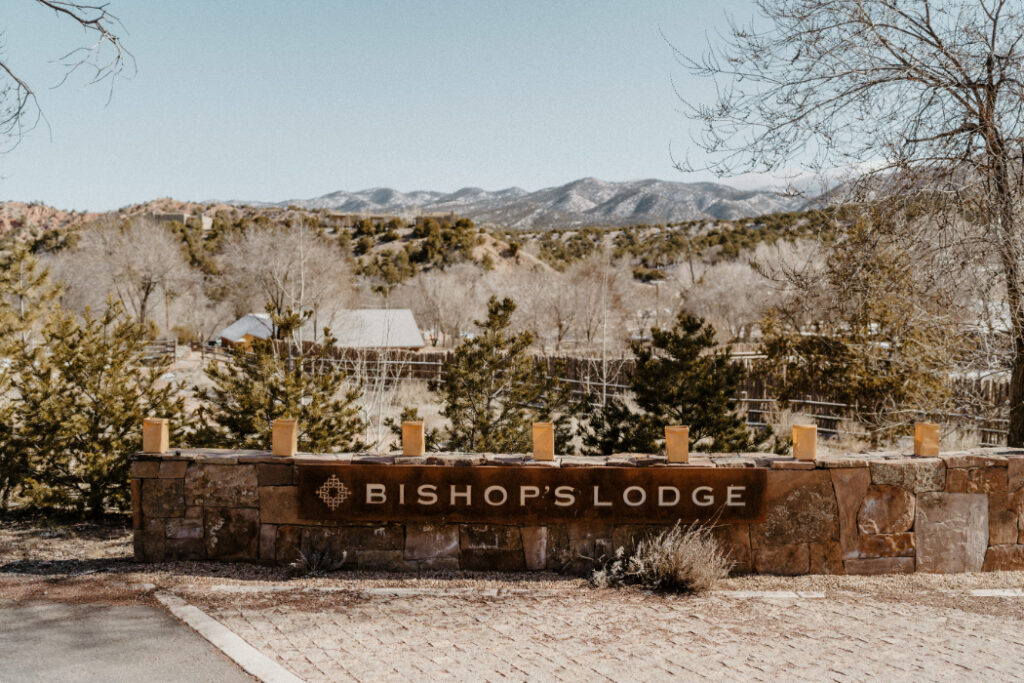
(685, 559)
(315, 562)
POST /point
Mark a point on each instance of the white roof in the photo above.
(368, 328)
(372, 328)
(256, 325)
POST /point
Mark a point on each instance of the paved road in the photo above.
(55, 642)
(631, 636)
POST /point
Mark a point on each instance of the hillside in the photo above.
(587, 201)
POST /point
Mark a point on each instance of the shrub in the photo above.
(684, 559)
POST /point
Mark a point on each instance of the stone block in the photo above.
(1015, 473)
(391, 560)
(173, 469)
(268, 542)
(284, 437)
(155, 431)
(288, 544)
(231, 533)
(826, 558)
(412, 438)
(792, 559)
(221, 485)
(193, 512)
(956, 480)
(793, 465)
(439, 564)
(968, 460)
(835, 462)
(590, 542)
(886, 510)
(734, 539)
(917, 475)
(1002, 525)
(850, 485)
(153, 540)
(880, 565)
(274, 475)
(184, 549)
(800, 508)
(143, 469)
(348, 541)
(1015, 502)
(952, 532)
(986, 480)
(163, 498)
(182, 528)
(1004, 558)
(423, 541)
(677, 443)
(926, 440)
(535, 546)
(493, 560)
(280, 505)
(489, 537)
(543, 441)
(626, 536)
(886, 545)
(136, 493)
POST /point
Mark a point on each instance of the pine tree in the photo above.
(679, 380)
(279, 379)
(83, 395)
(493, 391)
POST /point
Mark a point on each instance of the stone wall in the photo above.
(875, 514)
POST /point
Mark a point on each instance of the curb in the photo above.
(245, 655)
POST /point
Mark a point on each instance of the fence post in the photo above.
(677, 443)
(543, 441)
(284, 439)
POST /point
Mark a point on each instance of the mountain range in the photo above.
(587, 201)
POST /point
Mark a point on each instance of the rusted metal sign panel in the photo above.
(530, 495)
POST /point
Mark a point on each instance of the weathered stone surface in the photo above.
(163, 498)
(826, 558)
(439, 564)
(735, 540)
(268, 542)
(850, 486)
(918, 475)
(580, 460)
(423, 541)
(800, 508)
(373, 459)
(453, 460)
(535, 546)
(274, 475)
(841, 462)
(173, 469)
(793, 465)
(153, 540)
(181, 527)
(589, 543)
(231, 533)
(952, 532)
(956, 480)
(986, 480)
(886, 510)
(491, 547)
(967, 460)
(886, 545)
(1015, 473)
(193, 511)
(784, 560)
(1015, 502)
(881, 565)
(626, 536)
(1002, 524)
(136, 493)
(280, 505)
(143, 469)
(391, 560)
(287, 545)
(221, 485)
(1004, 558)
(184, 549)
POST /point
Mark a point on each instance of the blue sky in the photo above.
(273, 100)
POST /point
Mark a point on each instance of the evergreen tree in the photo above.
(679, 380)
(280, 379)
(493, 391)
(83, 394)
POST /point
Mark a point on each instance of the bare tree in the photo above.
(291, 267)
(106, 59)
(923, 98)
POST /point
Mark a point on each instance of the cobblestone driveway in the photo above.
(584, 634)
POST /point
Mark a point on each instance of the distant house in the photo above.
(368, 328)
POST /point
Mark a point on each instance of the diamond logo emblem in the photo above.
(333, 492)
